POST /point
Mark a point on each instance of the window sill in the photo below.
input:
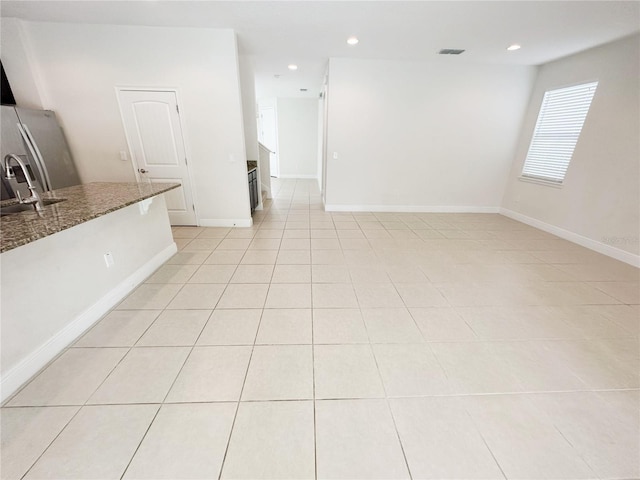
(540, 181)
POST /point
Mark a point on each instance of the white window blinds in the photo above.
(557, 130)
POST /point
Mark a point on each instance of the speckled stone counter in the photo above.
(80, 204)
(251, 165)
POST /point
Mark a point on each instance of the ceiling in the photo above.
(307, 32)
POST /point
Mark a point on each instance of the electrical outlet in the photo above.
(108, 259)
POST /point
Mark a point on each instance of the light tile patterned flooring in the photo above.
(344, 346)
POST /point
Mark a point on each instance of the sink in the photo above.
(21, 207)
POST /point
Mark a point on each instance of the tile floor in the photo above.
(348, 346)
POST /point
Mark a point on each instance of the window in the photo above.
(557, 130)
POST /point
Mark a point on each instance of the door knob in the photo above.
(142, 170)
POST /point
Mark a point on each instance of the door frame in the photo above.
(187, 149)
(325, 140)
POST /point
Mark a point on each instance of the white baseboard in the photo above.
(298, 176)
(32, 364)
(586, 242)
(409, 209)
(225, 222)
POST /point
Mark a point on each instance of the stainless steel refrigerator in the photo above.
(36, 137)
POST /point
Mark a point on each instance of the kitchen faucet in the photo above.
(34, 199)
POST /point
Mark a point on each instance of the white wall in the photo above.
(17, 58)
(264, 157)
(298, 137)
(600, 197)
(422, 136)
(249, 106)
(55, 288)
(80, 66)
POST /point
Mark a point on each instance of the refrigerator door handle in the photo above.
(35, 152)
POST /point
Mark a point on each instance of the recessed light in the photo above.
(514, 47)
(451, 51)
(352, 40)
(293, 67)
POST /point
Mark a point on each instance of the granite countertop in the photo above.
(251, 165)
(80, 204)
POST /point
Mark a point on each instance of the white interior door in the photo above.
(152, 125)
(268, 132)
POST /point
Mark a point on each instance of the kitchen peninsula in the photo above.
(64, 268)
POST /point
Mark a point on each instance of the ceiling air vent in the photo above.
(450, 51)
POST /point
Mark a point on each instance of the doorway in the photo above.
(268, 136)
(154, 134)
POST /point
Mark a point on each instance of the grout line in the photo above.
(395, 426)
(235, 415)
(384, 389)
(578, 453)
(140, 442)
(186, 360)
(313, 376)
(52, 441)
(330, 399)
(466, 411)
